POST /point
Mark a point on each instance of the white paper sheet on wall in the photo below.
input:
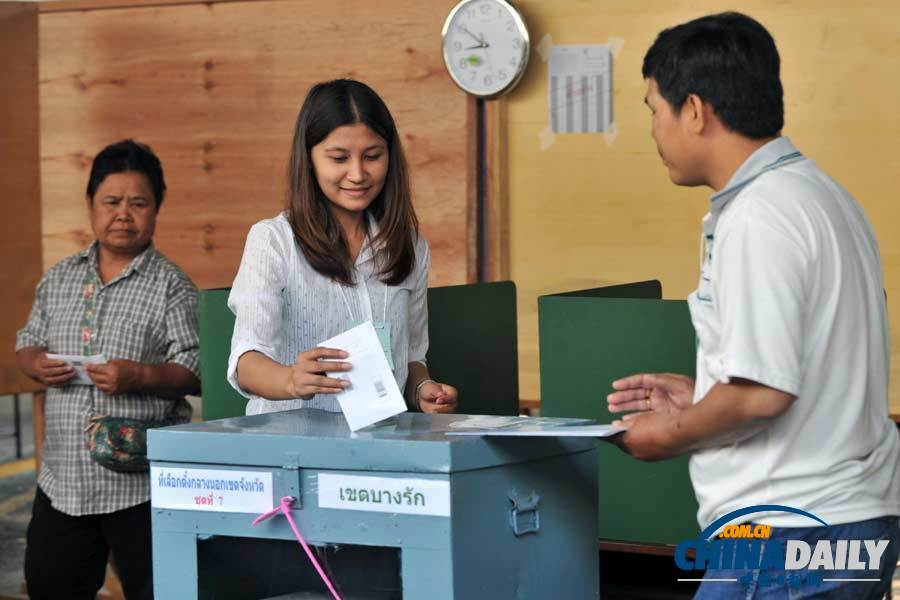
(579, 88)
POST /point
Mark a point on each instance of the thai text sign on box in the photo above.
(385, 494)
(211, 490)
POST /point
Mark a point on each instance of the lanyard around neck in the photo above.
(350, 311)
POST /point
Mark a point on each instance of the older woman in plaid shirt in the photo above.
(123, 299)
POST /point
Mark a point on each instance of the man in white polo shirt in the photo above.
(790, 403)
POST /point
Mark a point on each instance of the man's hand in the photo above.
(648, 436)
(670, 424)
(657, 399)
(659, 392)
(117, 376)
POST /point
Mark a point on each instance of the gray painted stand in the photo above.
(522, 512)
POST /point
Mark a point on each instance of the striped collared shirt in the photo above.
(148, 314)
(282, 307)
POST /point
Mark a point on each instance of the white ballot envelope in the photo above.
(373, 394)
(78, 362)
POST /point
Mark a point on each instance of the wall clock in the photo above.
(486, 46)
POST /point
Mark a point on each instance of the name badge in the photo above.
(383, 330)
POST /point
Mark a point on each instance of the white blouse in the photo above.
(283, 307)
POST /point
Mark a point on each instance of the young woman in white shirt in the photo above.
(346, 250)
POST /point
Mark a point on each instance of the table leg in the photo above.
(427, 573)
(17, 425)
(174, 565)
(37, 426)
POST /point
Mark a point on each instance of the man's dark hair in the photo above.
(730, 61)
(123, 157)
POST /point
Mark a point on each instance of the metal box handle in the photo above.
(523, 515)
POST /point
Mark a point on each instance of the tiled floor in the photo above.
(16, 493)
(7, 442)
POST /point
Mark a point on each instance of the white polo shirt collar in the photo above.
(777, 153)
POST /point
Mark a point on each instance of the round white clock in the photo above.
(486, 46)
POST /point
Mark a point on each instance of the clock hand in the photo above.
(480, 45)
(481, 42)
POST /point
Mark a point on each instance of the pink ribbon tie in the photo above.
(285, 508)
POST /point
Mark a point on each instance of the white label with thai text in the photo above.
(211, 490)
(385, 494)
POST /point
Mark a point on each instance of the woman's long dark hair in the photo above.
(328, 106)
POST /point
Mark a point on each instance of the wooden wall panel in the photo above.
(584, 213)
(214, 88)
(75, 5)
(20, 212)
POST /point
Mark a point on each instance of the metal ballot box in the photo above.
(471, 517)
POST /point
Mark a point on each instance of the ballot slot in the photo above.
(239, 568)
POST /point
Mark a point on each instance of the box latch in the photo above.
(524, 516)
(288, 479)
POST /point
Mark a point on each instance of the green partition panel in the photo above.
(590, 338)
(216, 324)
(473, 346)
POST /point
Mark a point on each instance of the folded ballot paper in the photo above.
(534, 427)
(79, 362)
(373, 394)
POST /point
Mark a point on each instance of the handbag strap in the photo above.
(89, 290)
(88, 313)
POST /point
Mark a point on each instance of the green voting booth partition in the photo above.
(588, 339)
(472, 346)
(220, 401)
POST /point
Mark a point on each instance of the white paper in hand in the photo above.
(373, 394)
(79, 362)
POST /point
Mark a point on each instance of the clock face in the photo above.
(485, 46)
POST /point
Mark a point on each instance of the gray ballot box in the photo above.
(470, 517)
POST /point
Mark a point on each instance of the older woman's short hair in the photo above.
(123, 157)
